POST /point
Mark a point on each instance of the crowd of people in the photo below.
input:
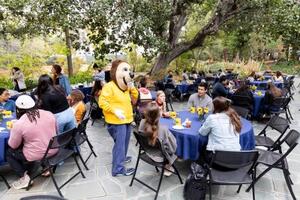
(53, 108)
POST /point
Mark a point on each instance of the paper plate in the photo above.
(177, 127)
(1, 129)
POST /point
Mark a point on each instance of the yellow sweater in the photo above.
(113, 98)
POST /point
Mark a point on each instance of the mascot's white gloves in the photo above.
(130, 85)
(119, 114)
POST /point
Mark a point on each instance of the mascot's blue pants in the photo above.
(121, 136)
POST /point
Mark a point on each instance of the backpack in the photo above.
(196, 184)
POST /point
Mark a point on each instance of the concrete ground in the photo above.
(100, 185)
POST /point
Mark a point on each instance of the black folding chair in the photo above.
(279, 124)
(95, 112)
(281, 105)
(241, 165)
(276, 160)
(146, 149)
(242, 101)
(80, 138)
(5, 181)
(42, 197)
(62, 143)
(243, 112)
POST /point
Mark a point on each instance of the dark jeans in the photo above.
(18, 162)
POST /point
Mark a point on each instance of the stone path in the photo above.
(100, 185)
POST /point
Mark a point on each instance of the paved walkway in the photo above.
(100, 185)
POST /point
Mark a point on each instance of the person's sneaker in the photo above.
(127, 172)
(22, 182)
(169, 173)
(128, 159)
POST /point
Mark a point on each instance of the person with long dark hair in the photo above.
(151, 128)
(18, 79)
(29, 138)
(60, 79)
(96, 90)
(53, 98)
(223, 127)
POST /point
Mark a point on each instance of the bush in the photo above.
(82, 77)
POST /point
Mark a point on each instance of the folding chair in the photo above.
(42, 197)
(146, 149)
(62, 143)
(80, 138)
(279, 124)
(276, 160)
(5, 181)
(243, 112)
(95, 111)
(281, 105)
(242, 101)
(242, 164)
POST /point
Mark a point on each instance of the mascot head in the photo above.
(121, 74)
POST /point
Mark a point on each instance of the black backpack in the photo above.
(196, 184)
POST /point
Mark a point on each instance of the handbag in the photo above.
(196, 183)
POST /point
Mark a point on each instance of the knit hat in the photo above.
(25, 102)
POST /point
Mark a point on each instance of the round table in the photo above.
(4, 136)
(264, 83)
(190, 142)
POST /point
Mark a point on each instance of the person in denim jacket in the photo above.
(61, 79)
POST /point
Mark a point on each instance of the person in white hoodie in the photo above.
(18, 79)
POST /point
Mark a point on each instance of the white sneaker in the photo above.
(22, 182)
(169, 173)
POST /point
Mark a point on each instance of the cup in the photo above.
(188, 124)
(177, 121)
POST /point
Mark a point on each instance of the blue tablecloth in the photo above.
(190, 142)
(4, 135)
(183, 88)
(258, 103)
(86, 91)
(257, 83)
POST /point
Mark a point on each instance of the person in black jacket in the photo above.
(221, 88)
(243, 97)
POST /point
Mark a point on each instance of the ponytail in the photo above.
(234, 119)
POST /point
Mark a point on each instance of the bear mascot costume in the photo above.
(115, 101)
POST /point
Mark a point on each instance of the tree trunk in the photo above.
(69, 54)
(161, 62)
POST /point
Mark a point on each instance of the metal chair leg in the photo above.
(55, 183)
(136, 166)
(157, 170)
(5, 181)
(80, 157)
(74, 156)
(159, 184)
(177, 173)
(286, 177)
(238, 191)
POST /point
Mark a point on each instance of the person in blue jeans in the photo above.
(115, 100)
(5, 103)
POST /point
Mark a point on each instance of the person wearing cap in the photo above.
(29, 138)
(5, 103)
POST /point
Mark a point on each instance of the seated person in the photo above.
(251, 77)
(161, 103)
(151, 128)
(185, 77)
(76, 102)
(96, 90)
(222, 127)
(243, 91)
(221, 88)
(29, 138)
(145, 94)
(5, 102)
(271, 93)
(201, 99)
(278, 77)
